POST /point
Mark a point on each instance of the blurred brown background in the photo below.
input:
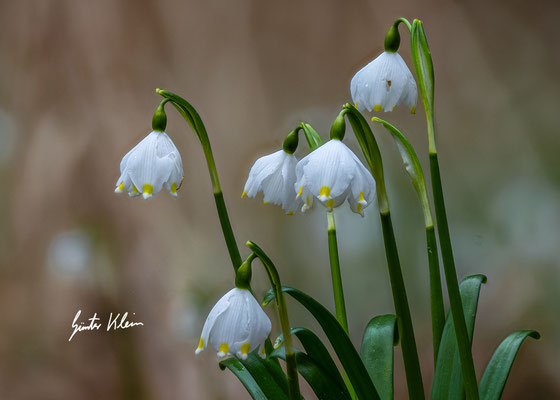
(77, 82)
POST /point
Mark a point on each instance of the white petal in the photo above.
(154, 161)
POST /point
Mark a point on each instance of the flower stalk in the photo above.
(338, 292)
(193, 119)
(424, 70)
(274, 277)
(406, 330)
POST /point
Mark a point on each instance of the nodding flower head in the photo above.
(236, 325)
(383, 84)
(274, 175)
(332, 173)
(152, 163)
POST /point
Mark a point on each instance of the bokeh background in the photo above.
(77, 82)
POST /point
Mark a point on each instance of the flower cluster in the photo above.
(331, 174)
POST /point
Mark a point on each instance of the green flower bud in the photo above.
(338, 128)
(393, 39)
(159, 120)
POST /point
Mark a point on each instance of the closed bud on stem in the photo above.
(291, 142)
(338, 128)
(244, 274)
(393, 39)
(159, 120)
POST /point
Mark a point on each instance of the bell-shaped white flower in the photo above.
(152, 163)
(236, 325)
(275, 176)
(383, 84)
(332, 173)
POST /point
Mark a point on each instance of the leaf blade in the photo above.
(495, 376)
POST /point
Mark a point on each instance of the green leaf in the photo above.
(422, 60)
(380, 336)
(318, 378)
(263, 379)
(317, 351)
(340, 342)
(448, 378)
(496, 374)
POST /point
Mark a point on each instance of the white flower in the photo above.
(383, 84)
(152, 163)
(236, 325)
(333, 173)
(275, 176)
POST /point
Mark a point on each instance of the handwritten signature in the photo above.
(95, 324)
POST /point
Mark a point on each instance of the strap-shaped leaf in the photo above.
(380, 336)
(263, 379)
(318, 378)
(496, 374)
(317, 351)
(448, 378)
(340, 342)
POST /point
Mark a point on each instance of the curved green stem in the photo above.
(404, 21)
(274, 277)
(338, 292)
(193, 119)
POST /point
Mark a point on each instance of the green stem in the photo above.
(436, 292)
(406, 330)
(193, 119)
(463, 342)
(338, 292)
(274, 277)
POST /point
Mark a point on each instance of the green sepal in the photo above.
(378, 341)
(343, 347)
(314, 373)
(291, 142)
(244, 274)
(392, 39)
(159, 120)
(495, 376)
(263, 378)
(338, 128)
(448, 378)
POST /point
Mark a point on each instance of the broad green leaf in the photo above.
(380, 336)
(496, 374)
(318, 378)
(263, 379)
(448, 378)
(343, 347)
(317, 351)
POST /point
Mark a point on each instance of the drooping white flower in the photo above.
(275, 176)
(236, 325)
(332, 173)
(383, 84)
(152, 163)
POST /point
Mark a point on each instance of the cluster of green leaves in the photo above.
(370, 372)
